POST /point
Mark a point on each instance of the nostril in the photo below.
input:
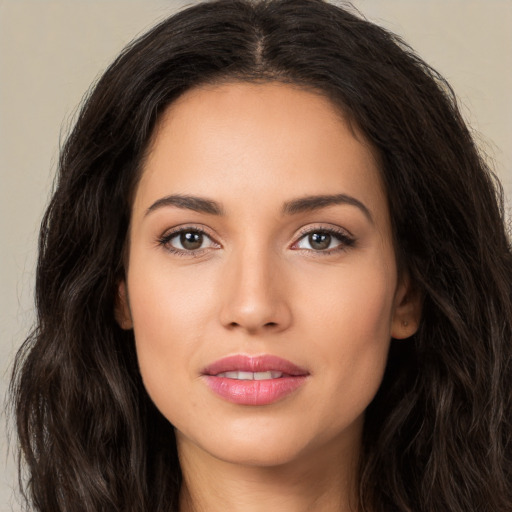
(268, 324)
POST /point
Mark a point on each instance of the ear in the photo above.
(122, 311)
(407, 310)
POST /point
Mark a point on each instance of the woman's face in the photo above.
(261, 284)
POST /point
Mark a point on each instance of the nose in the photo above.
(254, 295)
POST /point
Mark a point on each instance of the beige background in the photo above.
(51, 51)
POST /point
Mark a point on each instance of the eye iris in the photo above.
(191, 240)
(319, 241)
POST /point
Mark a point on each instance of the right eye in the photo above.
(187, 240)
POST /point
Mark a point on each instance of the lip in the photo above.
(254, 392)
(263, 363)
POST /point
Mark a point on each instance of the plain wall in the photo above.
(51, 51)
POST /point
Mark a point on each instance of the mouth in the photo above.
(238, 375)
(258, 380)
(242, 367)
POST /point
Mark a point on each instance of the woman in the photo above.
(274, 275)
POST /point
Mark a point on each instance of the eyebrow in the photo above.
(197, 204)
(312, 203)
(293, 207)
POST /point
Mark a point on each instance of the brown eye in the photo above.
(187, 241)
(319, 241)
(324, 241)
(191, 240)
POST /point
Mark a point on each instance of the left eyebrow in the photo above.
(312, 203)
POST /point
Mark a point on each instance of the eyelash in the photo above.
(346, 240)
(165, 240)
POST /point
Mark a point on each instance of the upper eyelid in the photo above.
(344, 236)
(192, 227)
(301, 233)
(329, 228)
(169, 234)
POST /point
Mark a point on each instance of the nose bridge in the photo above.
(254, 294)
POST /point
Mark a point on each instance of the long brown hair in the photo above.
(438, 435)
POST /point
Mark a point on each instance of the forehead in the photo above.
(263, 142)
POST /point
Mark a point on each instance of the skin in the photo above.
(257, 285)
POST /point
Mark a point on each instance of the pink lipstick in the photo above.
(254, 380)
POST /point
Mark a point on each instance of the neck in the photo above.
(325, 481)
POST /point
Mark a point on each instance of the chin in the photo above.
(253, 442)
(267, 443)
(245, 452)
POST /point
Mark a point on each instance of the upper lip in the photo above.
(262, 363)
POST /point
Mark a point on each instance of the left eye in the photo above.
(322, 241)
(188, 240)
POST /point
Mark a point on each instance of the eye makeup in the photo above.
(187, 241)
(319, 240)
(323, 240)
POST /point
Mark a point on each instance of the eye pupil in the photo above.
(320, 241)
(191, 240)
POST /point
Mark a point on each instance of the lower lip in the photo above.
(254, 392)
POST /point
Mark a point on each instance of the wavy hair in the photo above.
(438, 435)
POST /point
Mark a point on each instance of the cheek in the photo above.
(171, 313)
(351, 326)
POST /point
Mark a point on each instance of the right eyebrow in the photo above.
(195, 203)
